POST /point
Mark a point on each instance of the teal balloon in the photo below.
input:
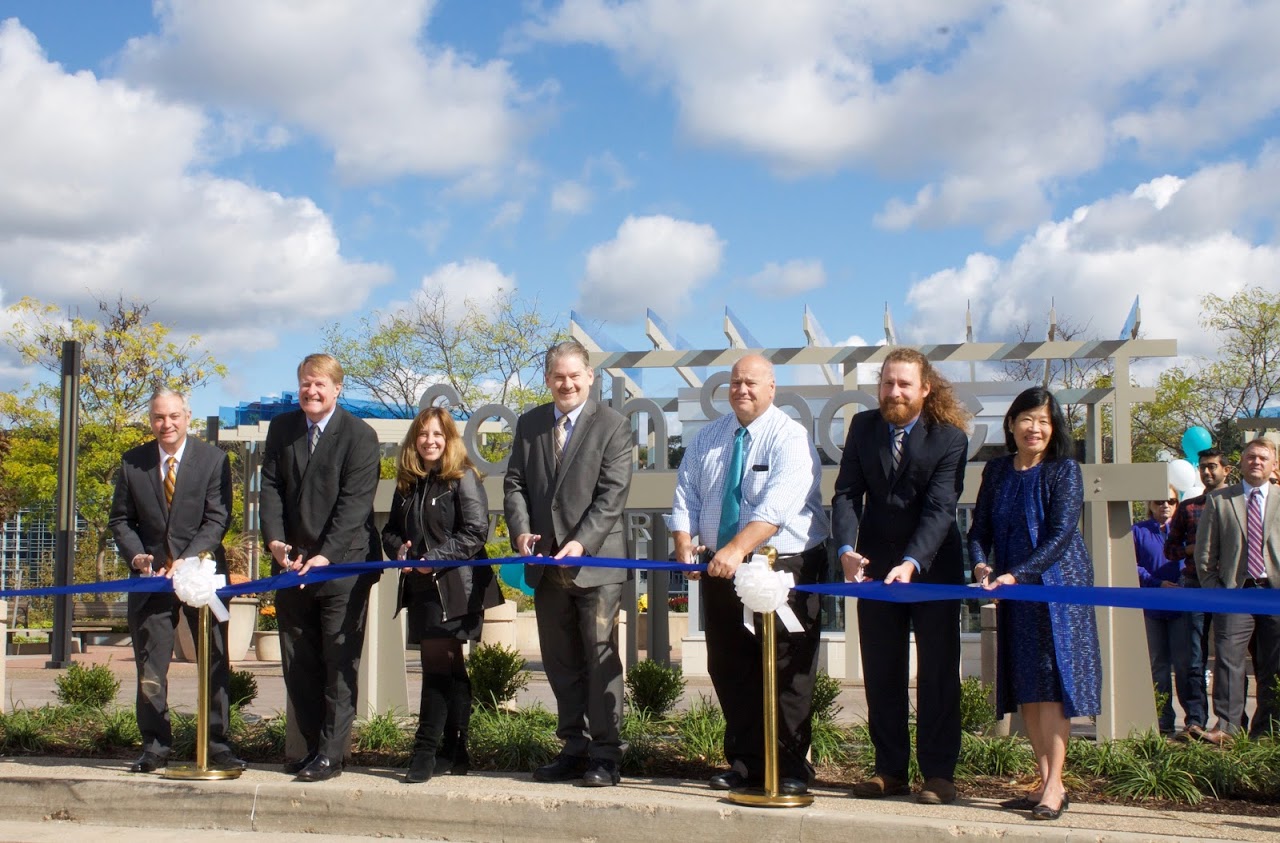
(1195, 440)
(513, 575)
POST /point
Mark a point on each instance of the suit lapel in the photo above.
(152, 466)
(884, 443)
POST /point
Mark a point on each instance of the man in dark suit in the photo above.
(1238, 546)
(894, 518)
(171, 502)
(565, 488)
(319, 475)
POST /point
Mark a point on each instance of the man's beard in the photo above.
(899, 412)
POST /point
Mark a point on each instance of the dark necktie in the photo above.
(561, 437)
(313, 437)
(170, 479)
(731, 503)
(1253, 536)
(899, 436)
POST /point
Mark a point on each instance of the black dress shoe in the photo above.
(564, 768)
(148, 762)
(320, 769)
(601, 772)
(728, 780)
(1044, 812)
(227, 760)
(793, 787)
(295, 767)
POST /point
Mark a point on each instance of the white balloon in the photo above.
(1183, 475)
(1194, 491)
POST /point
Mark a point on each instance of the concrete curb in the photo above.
(508, 807)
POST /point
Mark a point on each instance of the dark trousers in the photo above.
(1168, 646)
(153, 621)
(1197, 705)
(1232, 636)
(884, 631)
(734, 662)
(578, 636)
(321, 638)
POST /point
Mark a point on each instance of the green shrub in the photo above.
(381, 733)
(497, 674)
(513, 740)
(25, 731)
(832, 743)
(119, 730)
(653, 688)
(977, 714)
(94, 687)
(244, 688)
(1004, 756)
(700, 733)
(825, 692)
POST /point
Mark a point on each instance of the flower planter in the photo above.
(244, 620)
(266, 644)
(677, 629)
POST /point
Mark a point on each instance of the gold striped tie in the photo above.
(170, 479)
(561, 436)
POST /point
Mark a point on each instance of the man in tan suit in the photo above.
(1239, 547)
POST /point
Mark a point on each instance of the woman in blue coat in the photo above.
(1026, 531)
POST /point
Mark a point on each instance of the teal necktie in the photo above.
(731, 505)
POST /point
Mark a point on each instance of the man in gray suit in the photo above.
(1238, 546)
(171, 502)
(565, 488)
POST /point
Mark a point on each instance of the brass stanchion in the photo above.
(768, 796)
(200, 770)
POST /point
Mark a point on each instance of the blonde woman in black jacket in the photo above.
(440, 512)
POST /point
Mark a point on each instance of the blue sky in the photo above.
(258, 169)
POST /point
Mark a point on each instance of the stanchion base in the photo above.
(191, 772)
(758, 797)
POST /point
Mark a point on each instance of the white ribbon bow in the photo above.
(196, 584)
(762, 589)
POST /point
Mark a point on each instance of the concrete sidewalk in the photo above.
(374, 802)
(44, 799)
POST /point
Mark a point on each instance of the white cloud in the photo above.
(508, 214)
(788, 279)
(570, 197)
(654, 261)
(1169, 241)
(989, 105)
(101, 195)
(473, 280)
(361, 75)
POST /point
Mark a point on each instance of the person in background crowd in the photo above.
(1180, 547)
(1168, 633)
(1239, 547)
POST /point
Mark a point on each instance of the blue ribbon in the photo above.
(1249, 601)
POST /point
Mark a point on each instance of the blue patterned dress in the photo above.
(1026, 523)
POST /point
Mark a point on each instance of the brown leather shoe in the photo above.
(937, 791)
(1214, 736)
(879, 786)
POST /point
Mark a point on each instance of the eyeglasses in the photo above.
(1170, 502)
